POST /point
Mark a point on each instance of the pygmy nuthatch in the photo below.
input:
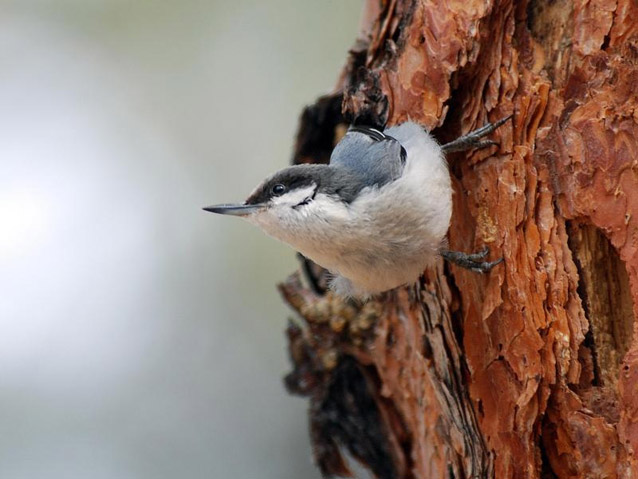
(376, 216)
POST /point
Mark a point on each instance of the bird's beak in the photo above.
(235, 210)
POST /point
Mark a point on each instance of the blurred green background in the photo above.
(141, 337)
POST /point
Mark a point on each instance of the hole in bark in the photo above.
(550, 23)
(590, 345)
(590, 372)
(546, 468)
(605, 44)
(317, 128)
(605, 294)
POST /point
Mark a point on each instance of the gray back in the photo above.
(373, 157)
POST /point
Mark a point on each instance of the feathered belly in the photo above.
(374, 257)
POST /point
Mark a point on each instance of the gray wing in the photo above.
(372, 156)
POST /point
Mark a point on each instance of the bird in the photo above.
(376, 216)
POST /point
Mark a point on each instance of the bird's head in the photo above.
(288, 189)
(295, 201)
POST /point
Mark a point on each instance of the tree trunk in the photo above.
(531, 370)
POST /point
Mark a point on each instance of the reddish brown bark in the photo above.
(532, 370)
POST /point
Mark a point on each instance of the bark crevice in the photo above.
(605, 294)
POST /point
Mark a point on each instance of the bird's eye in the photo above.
(278, 189)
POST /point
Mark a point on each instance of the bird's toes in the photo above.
(478, 256)
(486, 266)
(485, 144)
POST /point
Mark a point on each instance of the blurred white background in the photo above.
(140, 336)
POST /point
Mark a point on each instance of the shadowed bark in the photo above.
(530, 371)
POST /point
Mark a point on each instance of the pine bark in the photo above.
(530, 371)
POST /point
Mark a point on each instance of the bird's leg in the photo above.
(471, 261)
(473, 139)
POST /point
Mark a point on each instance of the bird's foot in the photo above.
(473, 139)
(471, 261)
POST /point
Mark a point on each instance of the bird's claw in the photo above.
(472, 261)
(484, 144)
(478, 256)
(473, 139)
(485, 266)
